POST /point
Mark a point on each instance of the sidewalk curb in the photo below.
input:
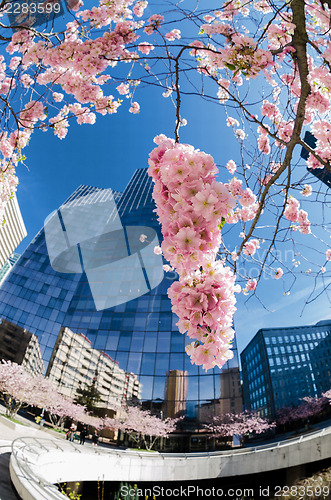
(15, 426)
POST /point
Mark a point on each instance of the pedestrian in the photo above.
(95, 438)
(72, 432)
(83, 434)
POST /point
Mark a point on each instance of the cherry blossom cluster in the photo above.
(240, 55)
(247, 200)
(307, 190)
(19, 386)
(190, 203)
(250, 286)
(205, 303)
(322, 131)
(190, 206)
(63, 76)
(8, 180)
(293, 213)
(251, 246)
(241, 424)
(74, 65)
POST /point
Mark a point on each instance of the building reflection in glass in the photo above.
(75, 364)
(175, 394)
(21, 347)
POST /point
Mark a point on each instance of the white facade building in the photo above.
(74, 363)
(12, 231)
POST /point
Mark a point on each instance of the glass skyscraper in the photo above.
(108, 319)
(282, 365)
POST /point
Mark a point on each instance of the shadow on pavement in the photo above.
(7, 491)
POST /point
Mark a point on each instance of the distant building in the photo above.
(74, 363)
(231, 396)
(4, 271)
(175, 394)
(21, 347)
(12, 232)
(323, 174)
(282, 365)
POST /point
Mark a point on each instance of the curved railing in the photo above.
(37, 463)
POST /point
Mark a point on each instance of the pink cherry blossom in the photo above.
(58, 97)
(234, 256)
(307, 190)
(190, 214)
(139, 8)
(123, 88)
(231, 166)
(251, 246)
(208, 18)
(172, 35)
(145, 47)
(106, 42)
(135, 108)
(279, 273)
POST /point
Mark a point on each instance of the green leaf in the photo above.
(230, 66)
(221, 223)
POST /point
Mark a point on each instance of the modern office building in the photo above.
(321, 173)
(21, 347)
(282, 365)
(12, 231)
(92, 271)
(12, 259)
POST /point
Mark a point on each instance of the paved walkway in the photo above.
(7, 435)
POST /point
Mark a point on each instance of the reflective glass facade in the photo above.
(282, 365)
(8, 265)
(132, 350)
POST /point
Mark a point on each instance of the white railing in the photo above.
(28, 451)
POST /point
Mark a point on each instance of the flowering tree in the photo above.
(309, 407)
(59, 408)
(18, 387)
(241, 425)
(146, 428)
(267, 63)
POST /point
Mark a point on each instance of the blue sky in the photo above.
(106, 155)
